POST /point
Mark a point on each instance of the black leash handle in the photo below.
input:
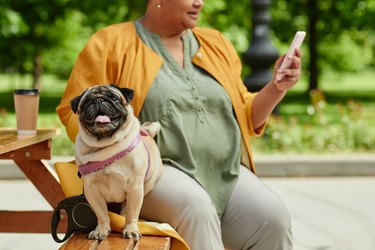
(80, 217)
(55, 223)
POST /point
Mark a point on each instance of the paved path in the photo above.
(328, 213)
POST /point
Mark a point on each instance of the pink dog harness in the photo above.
(94, 166)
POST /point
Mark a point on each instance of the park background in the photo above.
(325, 124)
(328, 112)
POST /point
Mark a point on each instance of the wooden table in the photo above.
(29, 153)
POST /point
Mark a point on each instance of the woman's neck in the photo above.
(172, 39)
(164, 31)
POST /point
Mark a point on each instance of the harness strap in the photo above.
(94, 166)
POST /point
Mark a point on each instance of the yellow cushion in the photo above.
(70, 183)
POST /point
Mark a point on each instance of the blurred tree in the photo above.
(340, 33)
(26, 28)
(230, 17)
(55, 30)
(102, 13)
(83, 20)
(59, 60)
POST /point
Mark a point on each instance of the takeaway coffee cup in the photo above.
(26, 105)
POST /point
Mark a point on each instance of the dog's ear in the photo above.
(127, 93)
(75, 102)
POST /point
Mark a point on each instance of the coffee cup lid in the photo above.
(26, 91)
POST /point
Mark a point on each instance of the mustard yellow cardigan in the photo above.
(116, 54)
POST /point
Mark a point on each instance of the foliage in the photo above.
(336, 56)
(344, 29)
(321, 127)
(102, 13)
(60, 59)
(230, 17)
(26, 30)
(58, 29)
(338, 120)
(55, 30)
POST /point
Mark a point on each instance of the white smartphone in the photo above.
(296, 44)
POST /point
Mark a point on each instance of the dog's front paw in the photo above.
(99, 233)
(131, 232)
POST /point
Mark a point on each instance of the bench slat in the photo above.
(79, 241)
(115, 241)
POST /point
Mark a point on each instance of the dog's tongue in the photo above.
(102, 119)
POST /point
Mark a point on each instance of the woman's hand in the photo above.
(271, 94)
(291, 75)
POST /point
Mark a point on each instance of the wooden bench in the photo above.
(79, 241)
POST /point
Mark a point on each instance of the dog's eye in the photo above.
(115, 98)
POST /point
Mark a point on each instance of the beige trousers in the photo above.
(255, 217)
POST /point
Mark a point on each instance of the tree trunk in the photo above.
(313, 65)
(38, 70)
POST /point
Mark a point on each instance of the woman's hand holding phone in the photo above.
(287, 62)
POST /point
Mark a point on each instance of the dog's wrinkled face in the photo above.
(102, 109)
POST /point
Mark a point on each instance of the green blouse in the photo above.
(199, 133)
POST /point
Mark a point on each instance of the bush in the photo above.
(329, 128)
(338, 120)
(352, 52)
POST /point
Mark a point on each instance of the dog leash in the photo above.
(94, 166)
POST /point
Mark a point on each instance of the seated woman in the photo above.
(188, 79)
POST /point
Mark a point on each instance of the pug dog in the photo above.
(118, 158)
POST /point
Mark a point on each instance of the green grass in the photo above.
(342, 82)
(339, 121)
